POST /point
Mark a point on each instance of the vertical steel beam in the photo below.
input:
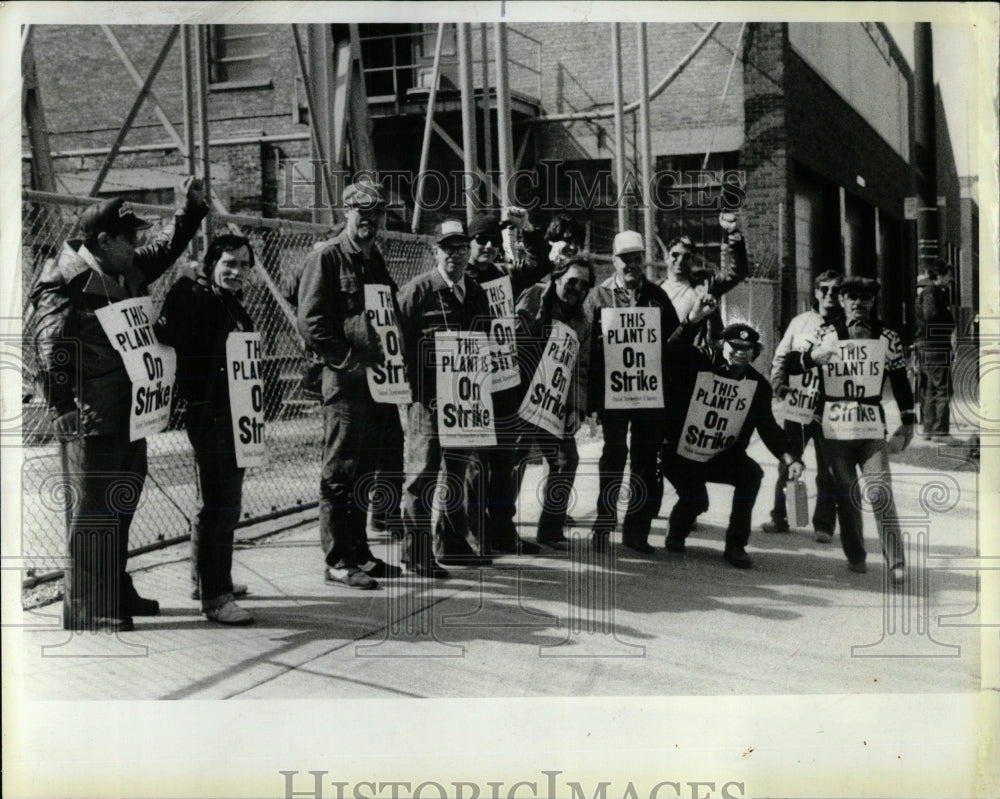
(648, 216)
(42, 171)
(505, 144)
(487, 123)
(359, 120)
(311, 102)
(425, 147)
(188, 79)
(201, 62)
(320, 82)
(469, 162)
(616, 65)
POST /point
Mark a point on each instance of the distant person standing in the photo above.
(935, 330)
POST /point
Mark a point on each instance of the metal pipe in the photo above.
(616, 60)
(487, 124)
(201, 61)
(310, 101)
(425, 148)
(134, 111)
(722, 99)
(468, 116)
(648, 217)
(656, 91)
(168, 146)
(504, 135)
(187, 85)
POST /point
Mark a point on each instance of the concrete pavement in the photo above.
(557, 625)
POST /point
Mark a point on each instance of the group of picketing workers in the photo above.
(435, 395)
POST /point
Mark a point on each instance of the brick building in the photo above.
(814, 117)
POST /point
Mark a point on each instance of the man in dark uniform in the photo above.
(629, 288)
(715, 406)
(935, 328)
(359, 434)
(489, 481)
(439, 300)
(89, 397)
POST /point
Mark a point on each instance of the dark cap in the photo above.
(484, 224)
(741, 334)
(450, 229)
(365, 196)
(855, 284)
(111, 216)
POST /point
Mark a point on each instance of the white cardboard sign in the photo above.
(545, 403)
(633, 369)
(246, 398)
(500, 295)
(151, 366)
(387, 382)
(716, 414)
(464, 397)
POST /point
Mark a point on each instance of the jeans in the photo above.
(434, 475)
(646, 426)
(732, 467)
(221, 483)
(557, 488)
(872, 456)
(935, 387)
(359, 436)
(489, 484)
(104, 476)
(825, 513)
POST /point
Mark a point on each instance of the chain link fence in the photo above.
(289, 482)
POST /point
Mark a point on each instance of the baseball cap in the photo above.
(741, 334)
(365, 196)
(855, 284)
(450, 229)
(485, 224)
(628, 241)
(111, 216)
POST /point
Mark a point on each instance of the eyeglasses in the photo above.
(483, 239)
(856, 295)
(679, 255)
(833, 291)
(453, 246)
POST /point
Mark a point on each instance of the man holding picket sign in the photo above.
(219, 374)
(347, 314)
(856, 354)
(553, 352)
(633, 321)
(716, 404)
(799, 395)
(445, 320)
(108, 384)
(489, 487)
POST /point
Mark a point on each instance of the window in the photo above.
(240, 55)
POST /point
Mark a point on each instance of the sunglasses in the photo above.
(858, 295)
(483, 239)
(833, 291)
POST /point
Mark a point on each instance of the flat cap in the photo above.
(111, 216)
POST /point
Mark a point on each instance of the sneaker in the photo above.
(823, 537)
(857, 568)
(642, 547)
(775, 527)
(229, 613)
(376, 567)
(432, 570)
(674, 544)
(350, 576)
(898, 574)
(738, 558)
(239, 589)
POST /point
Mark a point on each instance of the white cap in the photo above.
(628, 241)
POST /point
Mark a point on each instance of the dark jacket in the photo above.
(608, 295)
(935, 321)
(533, 324)
(685, 364)
(426, 305)
(77, 363)
(196, 319)
(331, 307)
